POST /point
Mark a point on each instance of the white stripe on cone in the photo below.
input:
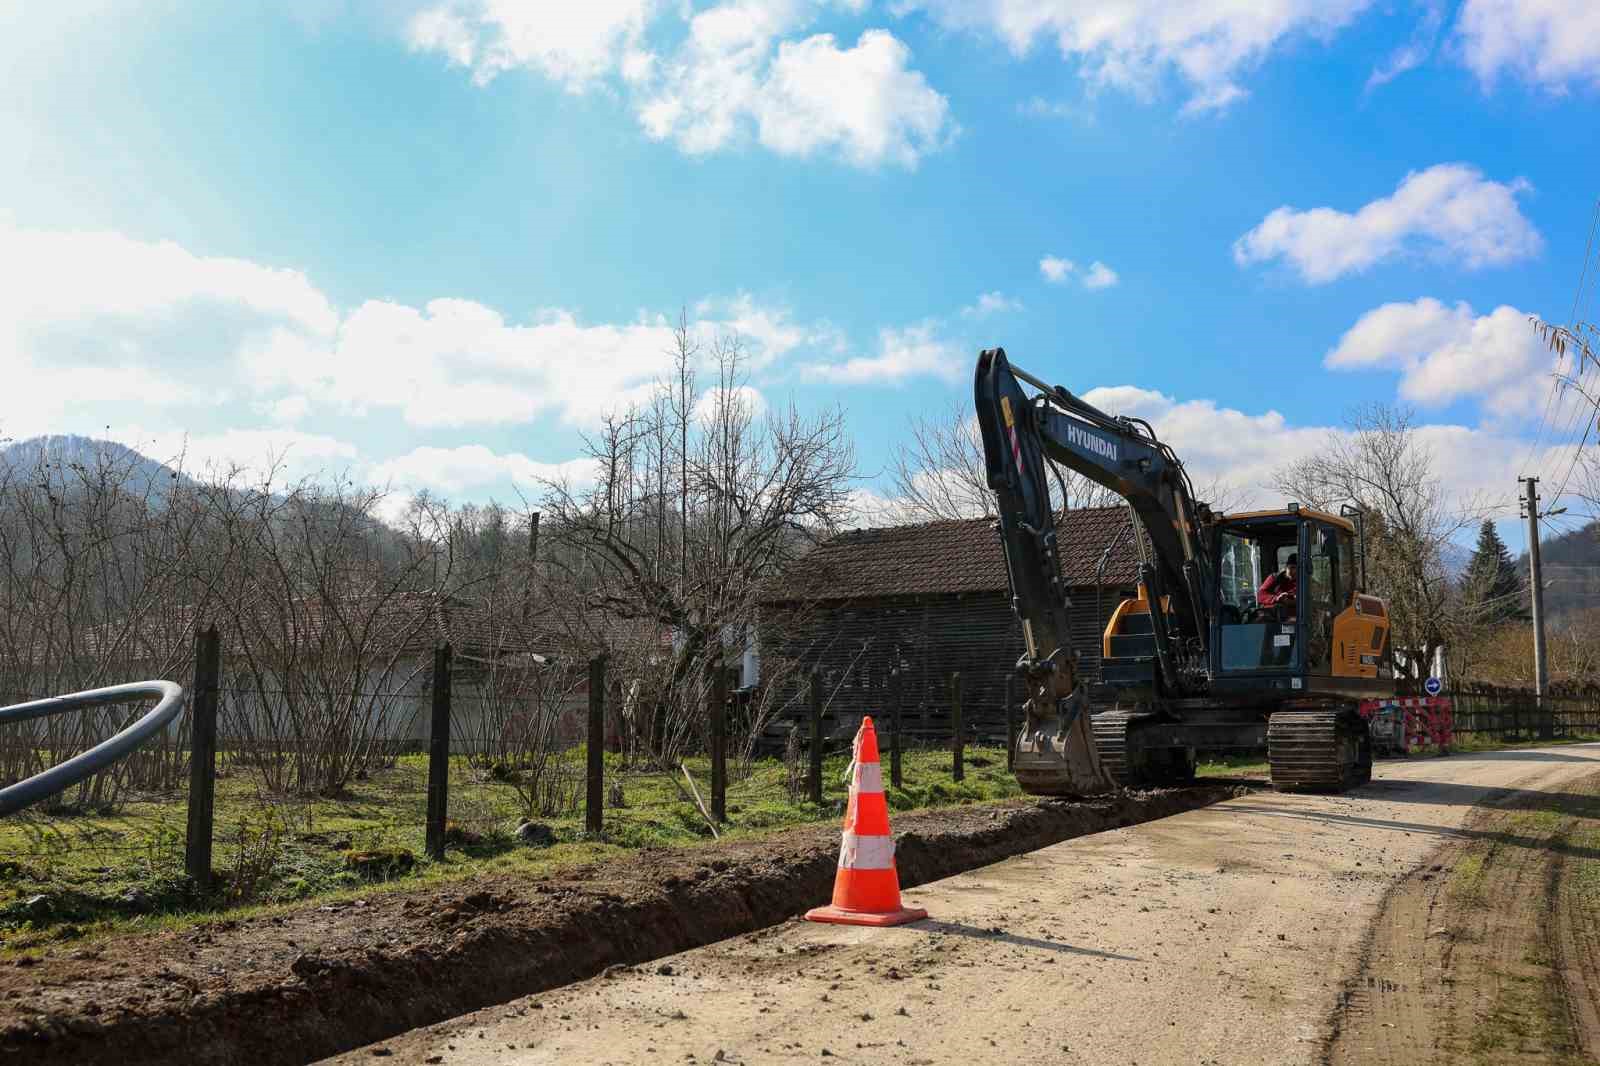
(869, 777)
(865, 853)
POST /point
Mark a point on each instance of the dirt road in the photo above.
(1230, 935)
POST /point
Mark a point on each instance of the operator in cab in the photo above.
(1278, 590)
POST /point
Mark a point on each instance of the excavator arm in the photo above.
(1022, 437)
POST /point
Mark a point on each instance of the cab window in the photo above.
(1252, 637)
(1347, 569)
(1321, 601)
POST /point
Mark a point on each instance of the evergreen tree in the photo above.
(1493, 582)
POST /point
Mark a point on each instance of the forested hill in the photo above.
(1571, 570)
(134, 472)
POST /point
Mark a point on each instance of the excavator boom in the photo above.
(1022, 436)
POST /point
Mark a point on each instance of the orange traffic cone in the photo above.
(866, 890)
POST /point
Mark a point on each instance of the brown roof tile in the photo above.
(952, 557)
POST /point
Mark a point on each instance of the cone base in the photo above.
(846, 916)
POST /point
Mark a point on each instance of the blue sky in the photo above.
(429, 242)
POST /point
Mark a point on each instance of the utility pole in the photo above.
(1536, 588)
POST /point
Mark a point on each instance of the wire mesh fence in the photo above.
(310, 789)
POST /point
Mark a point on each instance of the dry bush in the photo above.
(99, 572)
(516, 722)
(328, 618)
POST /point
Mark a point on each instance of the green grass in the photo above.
(1231, 766)
(1583, 867)
(1473, 742)
(63, 878)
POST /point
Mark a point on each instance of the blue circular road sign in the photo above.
(1433, 686)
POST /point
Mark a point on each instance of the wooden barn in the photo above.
(931, 599)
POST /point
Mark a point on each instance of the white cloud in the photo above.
(1241, 451)
(1449, 210)
(473, 466)
(768, 333)
(1414, 52)
(1216, 98)
(739, 73)
(863, 101)
(1131, 45)
(1100, 276)
(100, 322)
(1553, 44)
(1055, 269)
(290, 408)
(1448, 353)
(101, 328)
(992, 303)
(44, 399)
(1058, 271)
(1216, 443)
(801, 97)
(574, 44)
(870, 509)
(745, 398)
(456, 362)
(53, 274)
(1039, 107)
(916, 351)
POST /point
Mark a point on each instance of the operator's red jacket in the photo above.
(1277, 585)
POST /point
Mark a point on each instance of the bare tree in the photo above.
(1579, 380)
(1379, 465)
(752, 492)
(939, 473)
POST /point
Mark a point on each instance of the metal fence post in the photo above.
(203, 756)
(594, 801)
(1011, 728)
(895, 779)
(814, 781)
(719, 744)
(439, 754)
(957, 747)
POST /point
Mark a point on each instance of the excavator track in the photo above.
(1326, 750)
(1111, 738)
(1131, 764)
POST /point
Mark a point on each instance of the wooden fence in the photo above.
(1517, 714)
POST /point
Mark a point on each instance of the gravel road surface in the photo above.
(1227, 935)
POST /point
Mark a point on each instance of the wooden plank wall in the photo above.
(855, 644)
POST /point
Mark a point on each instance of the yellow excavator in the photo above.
(1197, 660)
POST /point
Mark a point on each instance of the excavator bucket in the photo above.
(1049, 762)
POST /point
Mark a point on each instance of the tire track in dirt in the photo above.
(298, 987)
(1487, 953)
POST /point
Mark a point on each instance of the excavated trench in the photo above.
(296, 987)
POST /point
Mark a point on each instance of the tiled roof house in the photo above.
(933, 599)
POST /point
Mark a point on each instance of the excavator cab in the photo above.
(1325, 635)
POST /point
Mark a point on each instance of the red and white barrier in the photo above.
(1419, 721)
